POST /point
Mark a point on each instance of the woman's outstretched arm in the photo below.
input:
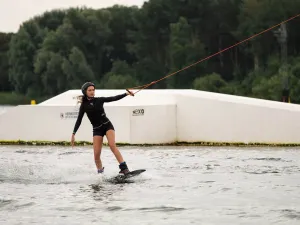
(79, 119)
(112, 98)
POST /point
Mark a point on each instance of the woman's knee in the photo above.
(97, 152)
(112, 146)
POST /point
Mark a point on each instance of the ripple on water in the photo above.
(290, 213)
(157, 209)
(14, 205)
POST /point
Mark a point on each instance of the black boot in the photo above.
(123, 168)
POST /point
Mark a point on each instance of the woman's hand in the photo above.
(73, 140)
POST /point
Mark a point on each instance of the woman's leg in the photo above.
(110, 134)
(97, 143)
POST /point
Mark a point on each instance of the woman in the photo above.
(93, 107)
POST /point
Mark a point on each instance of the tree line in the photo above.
(123, 47)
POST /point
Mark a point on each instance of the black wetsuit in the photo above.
(96, 114)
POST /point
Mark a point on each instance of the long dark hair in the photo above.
(81, 98)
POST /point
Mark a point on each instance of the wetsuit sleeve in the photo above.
(113, 98)
(79, 119)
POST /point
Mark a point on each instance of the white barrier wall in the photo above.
(156, 126)
(144, 97)
(142, 124)
(225, 118)
(158, 117)
(5, 108)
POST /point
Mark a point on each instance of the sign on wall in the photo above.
(70, 115)
(138, 112)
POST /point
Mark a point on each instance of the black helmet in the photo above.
(85, 87)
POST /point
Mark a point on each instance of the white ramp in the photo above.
(212, 117)
(140, 119)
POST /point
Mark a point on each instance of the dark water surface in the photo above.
(182, 185)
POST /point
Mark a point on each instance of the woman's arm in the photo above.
(79, 119)
(112, 98)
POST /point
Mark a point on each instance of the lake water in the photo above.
(182, 185)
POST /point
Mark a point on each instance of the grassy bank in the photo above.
(212, 144)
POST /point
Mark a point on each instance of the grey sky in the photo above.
(15, 12)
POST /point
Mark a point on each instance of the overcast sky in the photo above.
(15, 12)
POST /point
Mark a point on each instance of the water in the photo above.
(182, 185)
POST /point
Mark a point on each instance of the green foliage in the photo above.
(185, 47)
(120, 76)
(212, 82)
(4, 65)
(11, 98)
(123, 47)
(269, 88)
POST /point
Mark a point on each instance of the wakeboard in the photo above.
(129, 175)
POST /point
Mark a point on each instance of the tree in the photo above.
(4, 65)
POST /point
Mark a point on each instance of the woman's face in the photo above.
(90, 92)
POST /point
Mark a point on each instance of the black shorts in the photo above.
(102, 129)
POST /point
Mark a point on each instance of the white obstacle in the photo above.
(212, 117)
(160, 117)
